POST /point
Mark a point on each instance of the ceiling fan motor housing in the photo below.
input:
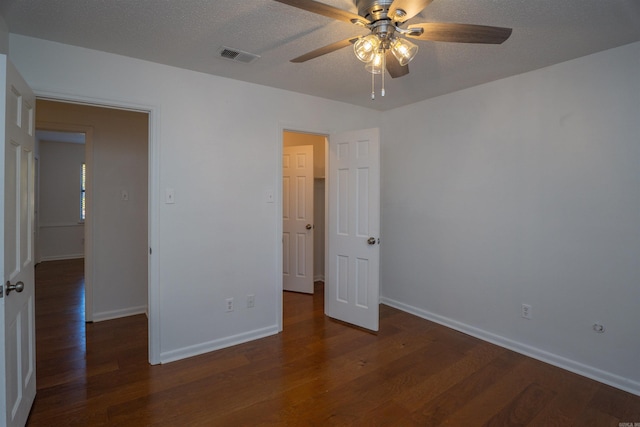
(374, 10)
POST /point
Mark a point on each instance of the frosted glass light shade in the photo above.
(365, 47)
(403, 50)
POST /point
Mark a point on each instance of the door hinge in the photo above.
(1, 291)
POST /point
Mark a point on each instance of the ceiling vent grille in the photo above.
(237, 55)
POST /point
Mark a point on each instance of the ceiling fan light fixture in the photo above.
(366, 47)
(403, 50)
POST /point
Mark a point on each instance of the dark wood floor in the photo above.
(317, 372)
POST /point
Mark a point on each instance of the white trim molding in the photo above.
(206, 347)
(116, 314)
(61, 257)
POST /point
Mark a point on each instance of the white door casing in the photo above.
(352, 282)
(297, 219)
(17, 309)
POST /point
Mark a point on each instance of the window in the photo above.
(83, 191)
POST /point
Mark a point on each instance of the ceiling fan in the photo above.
(384, 47)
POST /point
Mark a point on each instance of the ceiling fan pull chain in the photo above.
(373, 88)
(384, 70)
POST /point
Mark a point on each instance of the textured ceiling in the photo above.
(189, 33)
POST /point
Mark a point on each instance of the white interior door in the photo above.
(352, 284)
(18, 347)
(297, 219)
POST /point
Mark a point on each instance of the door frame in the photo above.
(297, 128)
(153, 284)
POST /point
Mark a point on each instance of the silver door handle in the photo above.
(18, 287)
(308, 226)
(371, 240)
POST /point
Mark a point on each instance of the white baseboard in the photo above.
(116, 314)
(60, 257)
(318, 278)
(536, 353)
(194, 350)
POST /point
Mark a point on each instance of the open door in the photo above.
(17, 307)
(352, 282)
(297, 219)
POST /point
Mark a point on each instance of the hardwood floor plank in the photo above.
(523, 408)
(316, 372)
(376, 380)
(616, 403)
(448, 375)
(570, 401)
(436, 410)
(479, 409)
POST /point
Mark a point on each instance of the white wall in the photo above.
(61, 233)
(219, 146)
(524, 190)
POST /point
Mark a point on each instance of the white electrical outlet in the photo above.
(251, 301)
(229, 302)
(526, 311)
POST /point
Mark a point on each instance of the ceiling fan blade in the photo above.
(393, 66)
(410, 7)
(325, 49)
(325, 10)
(461, 33)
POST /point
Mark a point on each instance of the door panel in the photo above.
(297, 217)
(17, 380)
(352, 285)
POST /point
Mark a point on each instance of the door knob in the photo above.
(18, 287)
(308, 226)
(371, 240)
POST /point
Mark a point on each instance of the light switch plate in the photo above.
(269, 196)
(169, 196)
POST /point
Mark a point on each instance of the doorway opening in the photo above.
(303, 211)
(63, 185)
(106, 221)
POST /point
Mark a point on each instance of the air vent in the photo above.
(237, 55)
